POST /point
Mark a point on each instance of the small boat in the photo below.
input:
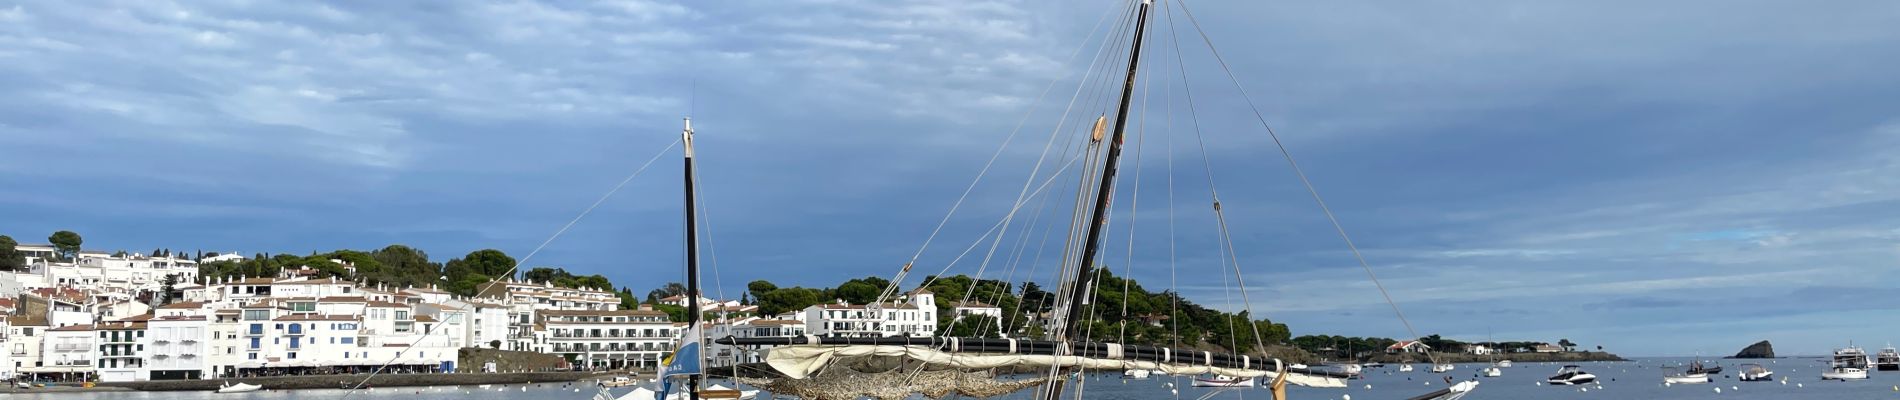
(1405, 367)
(743, 394)
(240, 387)
(23, 385)
(1223, 381)
(1442, 368)
(1375, 365)
(1844, 373)
(1887, 360)
(1135, 374)
(1696, 367)
(1455, 392)
(619, 381)
(1493, 372)
(1504, 364)
(1571, 375)
(1755, 373)
(1674, 376)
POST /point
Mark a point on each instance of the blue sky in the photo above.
(1656, 178)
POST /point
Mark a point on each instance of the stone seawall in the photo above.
(384, 380)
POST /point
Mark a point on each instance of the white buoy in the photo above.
(1718, 390)
(1369, 387)
(1665, 384)
(1539, 383)
(1583, 389)
(1345, 397)
(1800, 385)
(1174, 391)
(1734, 388)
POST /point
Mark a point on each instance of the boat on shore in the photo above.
(1571, 375)
(240, 387)
(1755, 373)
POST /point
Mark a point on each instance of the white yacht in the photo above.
(1493, 372)
(1405, 367)
(1504, 364)
(1887, 360)
(1571, 375)
(1674, 376)
(1442, 368)
(1849, 363)
(1135, 374)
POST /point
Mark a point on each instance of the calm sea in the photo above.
(1640, 379)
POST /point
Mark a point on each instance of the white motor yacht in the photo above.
(1571, 375)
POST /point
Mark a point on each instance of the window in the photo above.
(402, 314)
(255, 343)
(349, 340)
(293, 355)
(253, 356)
(303, 306)
(294, 344)
(257, 329)
(256, 315)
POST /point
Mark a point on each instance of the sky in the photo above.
(1655, 178)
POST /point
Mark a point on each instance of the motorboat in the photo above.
(1442, 368)
(1493, 372)
(1571, 375)
(1223, 381)
(1405, 367)
(1849, 363)
(743, 394)
(1887, 360)
(1697, 367)
(240, 387)
(1755, 373)
(1136, 374)
(1844, 373)
(1504, 364)
(1673, 376)
(1375, 364)
(1454, 392)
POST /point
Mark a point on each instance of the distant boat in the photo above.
(1375, 364)
(1223, 381)
(1442, 368)
(1696, 367)
(1135, 374)
(1849, 363)
(240, 387)
(1504, 364)
(1405, 367)
(1455, 392)
(1887, 360)
(1671, 375)
(1493, 372)
(1755, 373)
(1571, 375)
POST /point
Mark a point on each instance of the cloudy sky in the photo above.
(1656, 178)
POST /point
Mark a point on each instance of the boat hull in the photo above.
(240, 388)
(1844, 374)
(1767, 377)
(1577, 379)
(1135, 374)
(1887, 367)
(1686, 379)
(1493, 372)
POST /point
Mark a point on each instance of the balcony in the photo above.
(70, 347)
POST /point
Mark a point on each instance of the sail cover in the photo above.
(802, 361)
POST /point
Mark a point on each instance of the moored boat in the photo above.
(1442, 368)
(1887, 360)
(1755, 373)
(1405, 368)
(1135, 374)
(1493, 372)
(1674, 376)
(1504, 363)
(240, 387)
(1849, 364)
(1571, 375)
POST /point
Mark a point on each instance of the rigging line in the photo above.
(1134, 204)
(1225, 238)
(1041, 207)
(1308, 183)
(1174, 298)
(524, 259)
(1000, 149)
(999, 224)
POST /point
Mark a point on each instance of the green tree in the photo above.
(1566, 344)
(10, 256)
(400, 265)
(669, 290)
(858, 292)
(673, 313)
(783, 300)
(487, 263)
(758, 288)
(627, 300)
(166, 287)
(66, 244)
(977, 325)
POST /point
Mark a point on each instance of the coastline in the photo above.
(334, 381)
(1514, 357)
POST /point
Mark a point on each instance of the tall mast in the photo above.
(1084, 273)
(692, 253)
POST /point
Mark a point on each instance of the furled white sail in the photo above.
(799, 362)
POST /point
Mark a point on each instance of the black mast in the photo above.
(692, 254)
(1084, 275)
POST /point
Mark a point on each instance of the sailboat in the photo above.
(813, 366)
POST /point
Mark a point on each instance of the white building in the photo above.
(120, 350)
(24, 335)
(607, 339)
(914, 315)
(177, 347)
(968, 308)
(65, 352)
(723, 355)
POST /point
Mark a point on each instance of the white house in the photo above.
(121, 351)
(607, 339)
(177, 346)
(65, 352)
(915, 315)
(1479, 349)
(1407, 346)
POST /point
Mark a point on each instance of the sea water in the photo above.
(1637, 379)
